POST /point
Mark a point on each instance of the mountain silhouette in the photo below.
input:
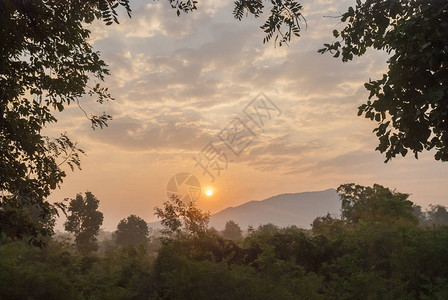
(298, 209)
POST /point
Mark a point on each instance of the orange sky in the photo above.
(179, 81)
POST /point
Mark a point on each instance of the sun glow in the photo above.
(209, 192)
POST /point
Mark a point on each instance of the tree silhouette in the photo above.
(19, 219)
(437, 215)
(45, 63)
(182, 219)
(84, 221)
(131, 231)
(232, 231)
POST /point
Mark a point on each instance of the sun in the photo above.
(209, 192)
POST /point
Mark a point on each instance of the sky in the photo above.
(183, 85)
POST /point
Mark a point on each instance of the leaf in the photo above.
(426, 45)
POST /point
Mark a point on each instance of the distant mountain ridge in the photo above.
(298, 209)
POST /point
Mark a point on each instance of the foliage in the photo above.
(181, 273)
(19, 219)
(410, 102)
(232, 231)
(182, 219)
(436, 215)
(284, 20)
(57, 272)
(373, 258)
(45, 64)
(377, 203)
(131, 231)
(329, 226)
(84, 221)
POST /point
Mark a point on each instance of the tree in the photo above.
(213, 231)
(410, 102)
(328, 226)
(377, 203)
(84, 221)
(131, 231)
(437, 215)
(421, 215)
(182, 219)
(284, 19)
(22, 220)
(232, 231)
(46, 64)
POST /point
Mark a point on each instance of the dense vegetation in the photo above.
(378, 249)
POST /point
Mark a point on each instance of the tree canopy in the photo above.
(84, 221)
(131, 231)
(410, 101)
(181, 219)
(46, 64)
(377, 203)
(436, 215)
(232, 231)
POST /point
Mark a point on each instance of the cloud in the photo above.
(164, 133)
(179, 81)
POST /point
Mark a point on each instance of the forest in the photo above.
(382, 247)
